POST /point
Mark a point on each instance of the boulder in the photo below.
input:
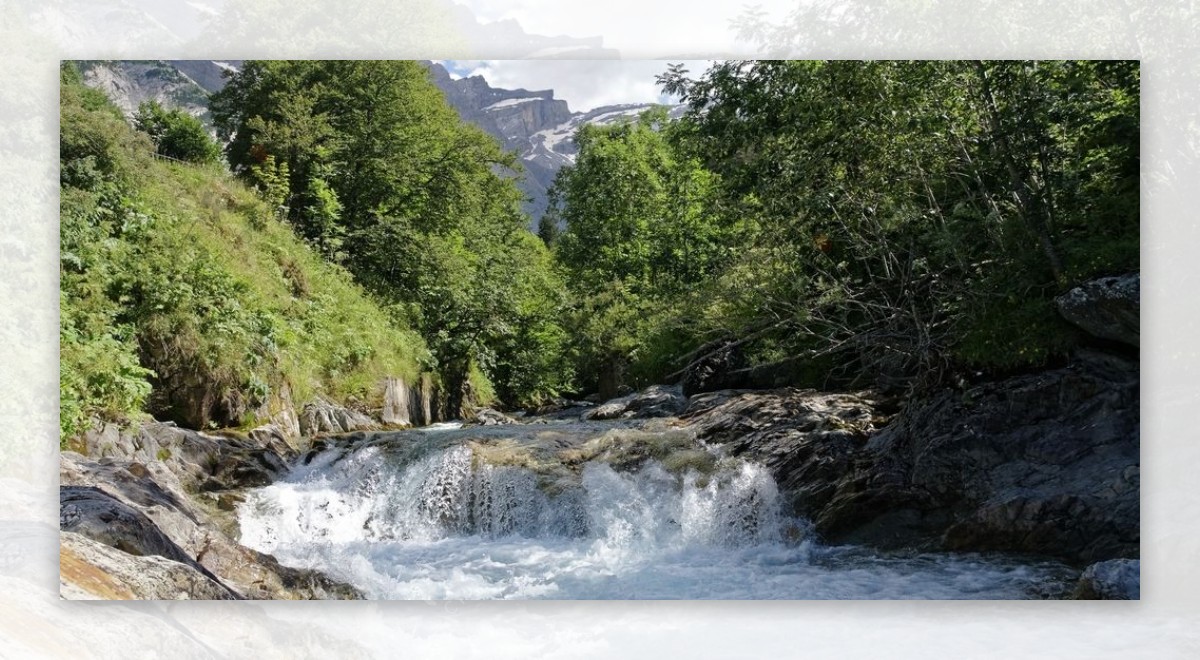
(148, 509)
(1115, 579)
(555, 405)
(489, 417)
(405, 406)
(1043, 463)
(323, 417)
(808, 439)
(279, 411)
(1108, 308)
(90, 570)
(654, 401)
(558, 410)
(195, 458)
(90, 512)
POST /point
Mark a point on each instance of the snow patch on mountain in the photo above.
(539, 128)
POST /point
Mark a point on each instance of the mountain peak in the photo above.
(535, 125)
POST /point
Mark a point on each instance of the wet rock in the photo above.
(195, 458)
(489, 417)
(91, 512)
(1108, 308)
(654, 401)
(405, 405)
(806, 438)
(279, 411)
(90, 570)
(229, 501)
(151, 508)
(555, 406)
(1044, 463)
(1115, 579)
(322, 417)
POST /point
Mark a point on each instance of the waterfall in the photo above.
(449, 493)
(444, 513)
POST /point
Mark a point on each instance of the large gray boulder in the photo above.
(1108, 308)
(150, 509)
(321, 417)
(1046, 463)
(654, 401)
(490, 417)
(808, 439)
(1115, 579)
(91, 512)
(198, 460)
(91, 570)
(405, 405)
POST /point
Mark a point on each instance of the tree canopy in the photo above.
(373, 167)
(901, 221)
(176, 134)
(897, 224)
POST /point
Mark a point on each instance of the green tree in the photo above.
(385, 178)
(917, 215)
(643, 229)
(176, 134)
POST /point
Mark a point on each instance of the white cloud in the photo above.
(583, 84)
(637, 28)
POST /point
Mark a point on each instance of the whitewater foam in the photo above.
(444, 524)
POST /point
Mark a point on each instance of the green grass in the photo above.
(182, 295)
(332, 338)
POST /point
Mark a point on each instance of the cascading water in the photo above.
(603, 513)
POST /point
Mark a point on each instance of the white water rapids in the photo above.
(485, 514)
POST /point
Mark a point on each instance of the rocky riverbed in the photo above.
(1039, 467)
(1026, 486)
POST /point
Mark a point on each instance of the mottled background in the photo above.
(36, 34)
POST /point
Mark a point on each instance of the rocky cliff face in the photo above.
(538, 127)
(183, 84)
(1045, 463)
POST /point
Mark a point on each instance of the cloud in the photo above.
(583, 84)
(637, 28)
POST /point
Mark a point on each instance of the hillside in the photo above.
(535, 125)
(183, 296)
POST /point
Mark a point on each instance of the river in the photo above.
(582, 510)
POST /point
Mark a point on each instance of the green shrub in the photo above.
(183, 296)
(176, 134)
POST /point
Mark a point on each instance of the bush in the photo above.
(176, 134)
(183, 296)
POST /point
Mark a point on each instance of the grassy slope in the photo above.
(180, 270)
(332, 337)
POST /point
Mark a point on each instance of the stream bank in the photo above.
(1027, 485)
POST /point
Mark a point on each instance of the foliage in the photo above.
(385, 178)
(176, 134)
(889, 223)
(183, 296)
(643, 228)
(910, 218)
(915, 205)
